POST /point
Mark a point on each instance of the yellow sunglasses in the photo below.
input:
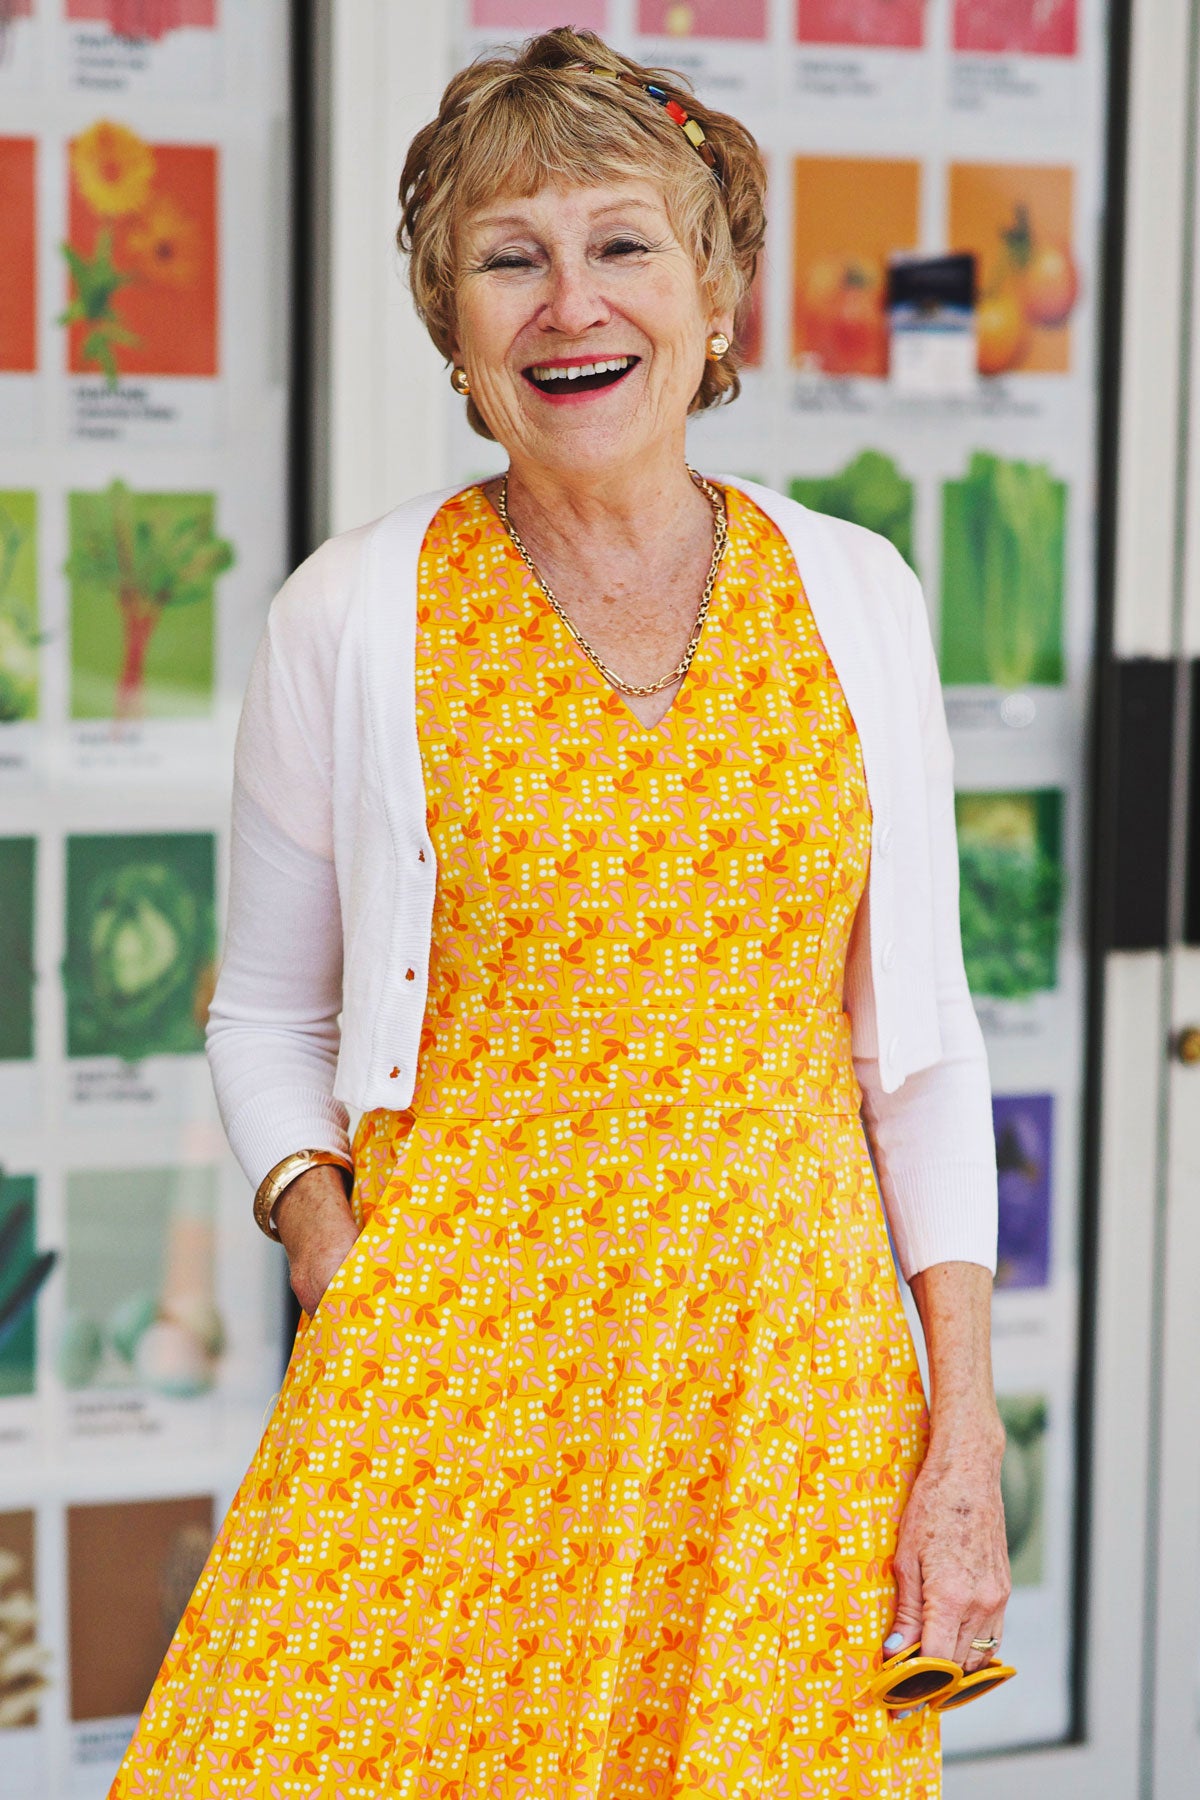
(909, 1679)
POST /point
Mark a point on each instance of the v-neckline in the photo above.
(608, 693)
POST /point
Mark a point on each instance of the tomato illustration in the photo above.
(1051, 285)
(1001, 331)
(842, 321)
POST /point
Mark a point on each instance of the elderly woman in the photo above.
(611, 807)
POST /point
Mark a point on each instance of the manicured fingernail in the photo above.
(895, 1642)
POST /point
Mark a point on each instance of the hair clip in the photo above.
(692, 130)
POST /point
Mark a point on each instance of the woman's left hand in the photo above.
(951, 1563)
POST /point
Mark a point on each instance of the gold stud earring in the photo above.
(460, 382)
(718, 344)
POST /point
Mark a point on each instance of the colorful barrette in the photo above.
(691, 128)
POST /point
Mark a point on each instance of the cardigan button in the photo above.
(894, 1051)
(887, 957)
(883, 842)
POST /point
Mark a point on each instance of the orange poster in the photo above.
(851, 213)
(1017, 220)
(18, 264)
(142, 255)
(750, 324)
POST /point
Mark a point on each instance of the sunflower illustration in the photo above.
(164, 243)
(113, 169)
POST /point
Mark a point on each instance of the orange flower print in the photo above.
(113, 169)
(164, 243)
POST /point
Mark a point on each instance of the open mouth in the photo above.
(579, 377)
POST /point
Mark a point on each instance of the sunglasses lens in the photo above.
(972, 1692)
(921, 1686)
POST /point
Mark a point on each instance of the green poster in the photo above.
(142, 570)
(17, 861)
(18, 607)
(139, 965)
(1003, 551)
(1010, 867)
(22, 1273)
(869, 491)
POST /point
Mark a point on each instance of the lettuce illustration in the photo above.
(869, 491)
(19, 636)
(1011, 887)
(1003, 549)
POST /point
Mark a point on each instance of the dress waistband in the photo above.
(493, 1065)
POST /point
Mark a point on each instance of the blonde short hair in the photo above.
(520, 120)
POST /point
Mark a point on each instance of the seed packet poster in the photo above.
(1017, 27)
(140, 935)
(141, 1310)
(869, 24)
(131, 1569)
(20, 630)
(142, 572)
(147, 20)
(135, 47)
(19, 291)
(141, 257)
(24, 1660)
(850, 215)
(18, 267)
(536, 15)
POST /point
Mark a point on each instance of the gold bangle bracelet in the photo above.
(282, 1176)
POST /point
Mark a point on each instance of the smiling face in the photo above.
(582, 325)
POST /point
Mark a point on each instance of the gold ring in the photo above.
(984, 1643)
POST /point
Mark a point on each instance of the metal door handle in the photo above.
(1187, 1044)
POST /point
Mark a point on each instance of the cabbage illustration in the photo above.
(138, 971)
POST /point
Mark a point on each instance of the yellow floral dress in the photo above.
(586, 1474)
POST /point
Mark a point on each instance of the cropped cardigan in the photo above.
(333, 873)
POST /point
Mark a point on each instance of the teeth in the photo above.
(554, 372)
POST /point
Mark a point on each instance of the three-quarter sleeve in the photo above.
(932, 1138)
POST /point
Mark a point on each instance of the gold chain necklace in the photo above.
(720, 537)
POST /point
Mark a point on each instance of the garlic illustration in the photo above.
(23, 1663)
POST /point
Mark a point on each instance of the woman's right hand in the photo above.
(317, 1229)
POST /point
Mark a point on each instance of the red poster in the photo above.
(1021, 27)
(538, 15)
(142, 254)
(894, 24)
(145, 18)
(18, 264)
(703, 18)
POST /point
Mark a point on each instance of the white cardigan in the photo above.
(333, 873)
